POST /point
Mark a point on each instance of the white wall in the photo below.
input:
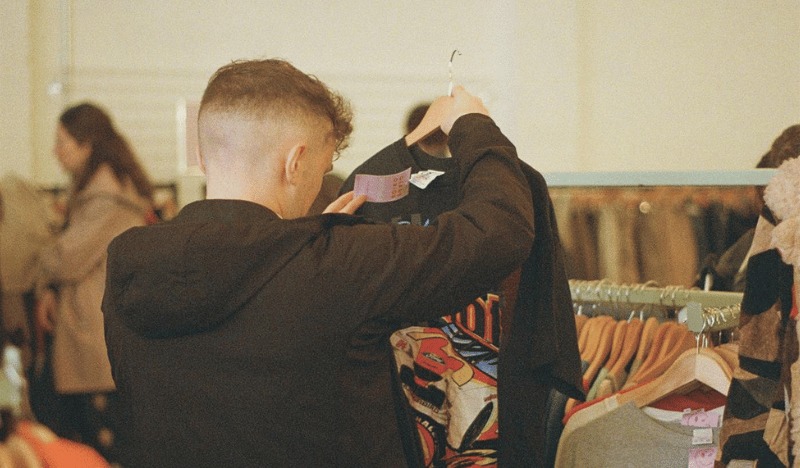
(578, 85)
(384, 56)
(15, 81)
(687, 84)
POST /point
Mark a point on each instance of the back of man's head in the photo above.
(276, 93)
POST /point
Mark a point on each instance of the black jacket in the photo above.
(539, 349)
(239, 339)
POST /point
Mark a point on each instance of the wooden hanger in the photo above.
(672, 339)
(617, 331)
(648, 333)
(653, 353)
(649, 329)
(605, 339)
(432, 120)
(663, 344)
(583, 337)
(580, 321)
(694, 367)
(589, 345)
(630, 345)
(593, 334)
(616, 373)
(729, 352)
(678, 340)
(620, 331)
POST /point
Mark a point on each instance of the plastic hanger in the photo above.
(432, 120)
(694, 367)
(437, 112)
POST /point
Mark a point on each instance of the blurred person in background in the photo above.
(728, 271)
(109, 192)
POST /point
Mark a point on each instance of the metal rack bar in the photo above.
(660, 178)
(672, 296)
(709, 319)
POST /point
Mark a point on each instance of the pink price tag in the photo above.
(702, 457)
(701, 419)
(382, 189)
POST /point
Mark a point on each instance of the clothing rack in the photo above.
(706, 310)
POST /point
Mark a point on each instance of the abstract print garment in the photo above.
(447, 371)
(449, 376)
(761, 417)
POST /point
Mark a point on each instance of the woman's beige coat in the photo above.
(76, 264)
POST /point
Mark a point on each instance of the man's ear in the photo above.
(199, 160)
(294, 162)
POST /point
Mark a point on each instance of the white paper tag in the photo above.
(423, 178)
(702, 436)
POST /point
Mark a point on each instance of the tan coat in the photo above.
(76, 263)
(29, 223)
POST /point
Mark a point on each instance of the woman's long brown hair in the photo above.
(88, 123)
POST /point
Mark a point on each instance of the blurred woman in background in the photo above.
(109, 193)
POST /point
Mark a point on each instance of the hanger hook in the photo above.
(663, 294)
(698, 336)
(598, 286)
(675, 292)
(450, 71)
(455, 51)
(628, 301)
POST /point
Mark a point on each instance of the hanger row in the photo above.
(651, 293)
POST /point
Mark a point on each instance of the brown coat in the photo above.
(76, 264)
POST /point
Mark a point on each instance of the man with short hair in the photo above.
(243, 333)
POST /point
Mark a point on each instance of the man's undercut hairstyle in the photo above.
(274, 87)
